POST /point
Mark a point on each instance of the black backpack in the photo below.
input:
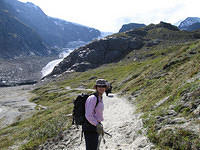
(79, 109)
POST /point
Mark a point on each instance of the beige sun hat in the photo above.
(101, 82)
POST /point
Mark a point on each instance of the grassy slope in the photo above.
(147, 76)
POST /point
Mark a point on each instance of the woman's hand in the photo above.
(100, 130)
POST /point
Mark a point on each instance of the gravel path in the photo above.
(14, 104)
(119, 120)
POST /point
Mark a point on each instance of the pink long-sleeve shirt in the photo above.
(92, 114)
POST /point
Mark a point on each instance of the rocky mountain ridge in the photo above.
(115, 47)
(131, 26)
(188, 24)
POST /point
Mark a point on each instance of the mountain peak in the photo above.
(30, 4)
(188, 21)
(168, 26)
(162, 25)
(131, 26)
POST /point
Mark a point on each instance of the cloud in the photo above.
(110, 15)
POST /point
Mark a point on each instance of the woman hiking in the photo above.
(94, 107)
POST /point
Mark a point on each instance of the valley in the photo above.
(46, 62)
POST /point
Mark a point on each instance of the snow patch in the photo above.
(20, 69)
(32, 53)
(56, 22)
(65, 53)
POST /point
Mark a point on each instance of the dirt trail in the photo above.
(14, 104)
(119, 120)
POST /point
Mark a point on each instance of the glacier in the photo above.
(50, 66)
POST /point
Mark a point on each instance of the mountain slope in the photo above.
(194, 26)
(55, 32)
(163, 81)
(113, 48)
(17, 39)
(185, 25)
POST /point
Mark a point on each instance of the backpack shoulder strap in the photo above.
(95, 94)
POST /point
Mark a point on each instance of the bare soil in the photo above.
(15, 105)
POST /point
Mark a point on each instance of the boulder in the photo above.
(161, 102)
(176, 121)
(171, 113)
(196, 112)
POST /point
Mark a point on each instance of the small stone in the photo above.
(158, 127)
(158, 117)
(171, 106)
(171, 112)
(179, 120)
(61, 146)
(161, 102)
(197, 111)
(161, 119)
(192, 52)
(94, 77)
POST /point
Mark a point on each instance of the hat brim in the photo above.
(95, 86)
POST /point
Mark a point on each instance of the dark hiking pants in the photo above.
(91, 140)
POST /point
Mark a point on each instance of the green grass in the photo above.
(155, 83)
(177, 139)
(147, 76)
(45, 123)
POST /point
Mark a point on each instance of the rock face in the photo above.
(113, 48)
(97, 53)
(55, 32)
(189, 24)
(17, 39)
(131, 26)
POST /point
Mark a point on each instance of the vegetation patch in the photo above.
(177, 139)
(146, 76)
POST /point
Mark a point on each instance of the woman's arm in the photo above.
(90, 110)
